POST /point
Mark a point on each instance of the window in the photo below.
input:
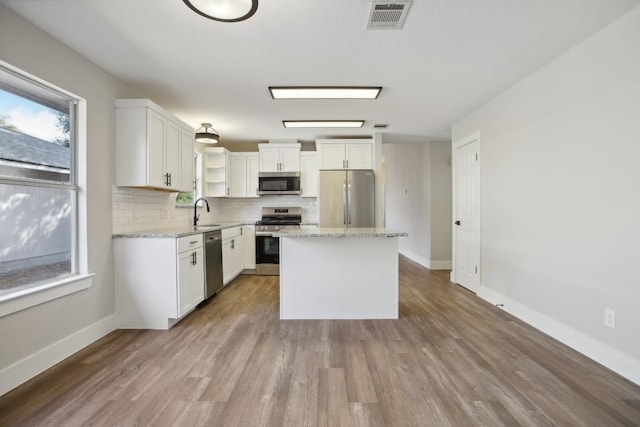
(38, 183)
(187, 199)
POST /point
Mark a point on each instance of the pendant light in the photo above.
(207, 135)
(224, 10)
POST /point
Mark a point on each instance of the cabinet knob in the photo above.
(457, 222)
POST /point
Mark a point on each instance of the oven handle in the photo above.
(264, 234)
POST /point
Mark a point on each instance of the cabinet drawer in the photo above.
(189, 242)
(229, 233)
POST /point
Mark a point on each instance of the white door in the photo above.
(466, 212)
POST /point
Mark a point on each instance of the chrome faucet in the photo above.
(196, 217)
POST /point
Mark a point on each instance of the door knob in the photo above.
(457, 222)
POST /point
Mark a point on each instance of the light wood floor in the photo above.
(451, 359)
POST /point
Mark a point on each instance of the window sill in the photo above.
(23, 299)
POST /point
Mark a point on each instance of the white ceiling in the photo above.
(450, 57)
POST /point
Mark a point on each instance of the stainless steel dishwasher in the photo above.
(213, 262)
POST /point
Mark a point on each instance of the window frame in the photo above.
(30, 295)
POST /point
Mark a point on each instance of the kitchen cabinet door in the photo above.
(172, 151)
(190, 280)
(331, 156)
(270, 159)
(308, 174)
(359, 156)
(156, 134)
(238, 185)
(253, 168)
(290, 159)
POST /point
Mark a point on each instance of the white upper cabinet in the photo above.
(217, 172)
(308, 174)
(279, 157)
(345, 153)
(238, 175)
(253, 168)
(150, 147)
(244, 174)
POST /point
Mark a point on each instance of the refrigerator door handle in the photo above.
(345, 198)
(348, 202)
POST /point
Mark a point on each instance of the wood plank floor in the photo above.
(450, 360)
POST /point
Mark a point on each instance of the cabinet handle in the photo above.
(233, 244)
(193, 258)
(193, 242)
(227, 191)
(166, 180)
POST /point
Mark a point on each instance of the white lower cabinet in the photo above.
(232, 254)
(190, 280)
(158, 280)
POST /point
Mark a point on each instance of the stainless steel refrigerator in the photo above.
(346, 198)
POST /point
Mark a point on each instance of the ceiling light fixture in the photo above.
(323, 123)
(207, 135)
(224, 10)
(324, 92)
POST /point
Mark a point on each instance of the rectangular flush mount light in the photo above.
(324, 92)
(323, 123)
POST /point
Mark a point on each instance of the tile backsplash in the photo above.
(138, 209)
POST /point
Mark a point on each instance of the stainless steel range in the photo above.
(267, 246)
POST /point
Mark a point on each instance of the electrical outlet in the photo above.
(610, 317)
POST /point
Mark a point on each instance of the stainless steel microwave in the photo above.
(278, 183)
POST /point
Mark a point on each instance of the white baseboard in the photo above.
(427, 263)
(602, 353)
(27, 368)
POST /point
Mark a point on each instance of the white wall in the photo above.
(32, 336)
(561, 198)
(418, 199)
(440, 207)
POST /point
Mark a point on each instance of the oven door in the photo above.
(267, 255)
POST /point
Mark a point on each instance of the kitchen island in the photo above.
(338, 273)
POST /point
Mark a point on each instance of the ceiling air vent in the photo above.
(386, 15)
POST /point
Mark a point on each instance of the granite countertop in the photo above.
(180, 231)
(340, 232)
